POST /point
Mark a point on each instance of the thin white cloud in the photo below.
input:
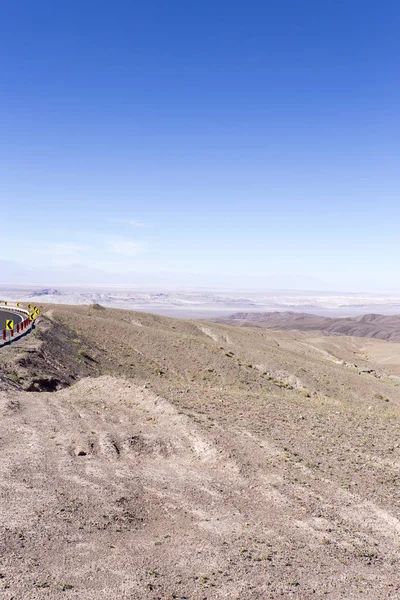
(126, 247)
(58, 253)
(112, 254)
(65, 249)
(131, 222)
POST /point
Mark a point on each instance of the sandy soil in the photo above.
(177, 459)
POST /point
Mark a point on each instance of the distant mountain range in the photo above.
(384, 327)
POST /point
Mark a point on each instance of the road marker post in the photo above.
(12, 329)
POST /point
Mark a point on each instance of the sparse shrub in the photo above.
(85, 354)
(370, 555)
(378, 396)
(13, 376)
(282, 384)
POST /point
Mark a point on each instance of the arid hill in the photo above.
(384, 327)
(144, 457)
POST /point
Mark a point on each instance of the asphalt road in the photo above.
(7, 314)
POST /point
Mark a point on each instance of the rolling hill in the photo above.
(150, 457)
(385, 327)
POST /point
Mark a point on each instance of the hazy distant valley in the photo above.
(205, 303)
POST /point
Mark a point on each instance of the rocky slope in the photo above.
(193, 460)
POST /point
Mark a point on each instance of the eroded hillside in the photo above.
(384, 327)
(185, 459)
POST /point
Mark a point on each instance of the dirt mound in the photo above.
(96, 306)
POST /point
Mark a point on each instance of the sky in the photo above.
(244, 144)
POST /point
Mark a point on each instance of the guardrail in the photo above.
(6, 335)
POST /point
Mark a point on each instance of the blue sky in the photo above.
(241, 144)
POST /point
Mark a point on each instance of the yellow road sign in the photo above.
(29, 305)
(9, 324)
(32, 315)
(18, 304)
(37, 311)
(5, 303)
